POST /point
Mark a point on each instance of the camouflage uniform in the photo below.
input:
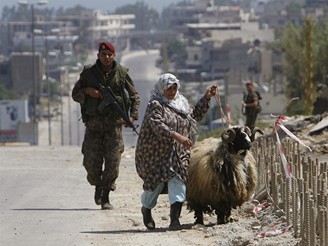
(251, 111)
(103, 142)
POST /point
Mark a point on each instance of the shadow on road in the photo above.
(156, 230)
(54, 209)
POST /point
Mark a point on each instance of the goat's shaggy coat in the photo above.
(222, 176)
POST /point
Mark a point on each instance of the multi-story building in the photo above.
(90, 25)
(230, 51)
(94, 26)
(56, 35)
(276, 14)
(37, 49)
(22, 76)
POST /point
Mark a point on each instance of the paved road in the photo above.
(43, 196)
(46, 200)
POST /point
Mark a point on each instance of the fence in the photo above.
(303, 197)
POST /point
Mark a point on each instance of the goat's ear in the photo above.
(248, 131)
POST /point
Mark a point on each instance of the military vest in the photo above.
(249, 98)
(115, 79)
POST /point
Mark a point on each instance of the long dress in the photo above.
(158, 156)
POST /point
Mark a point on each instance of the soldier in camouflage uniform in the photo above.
(250, 104)
(103, 142)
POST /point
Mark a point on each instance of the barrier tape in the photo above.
(274, 232)
(277, 124)
(260, 207)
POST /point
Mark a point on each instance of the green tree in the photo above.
(292, 45)
(321, 48)
(172, 50)
(76, 10)
(146, 18)
(6, 94)
(175, 48)
(293, 8)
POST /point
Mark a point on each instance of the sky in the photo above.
(103, 5)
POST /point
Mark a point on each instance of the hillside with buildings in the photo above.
(203, 42)
(200, 41)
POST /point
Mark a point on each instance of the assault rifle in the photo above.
(109, 97)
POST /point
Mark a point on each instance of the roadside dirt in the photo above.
(129, 229)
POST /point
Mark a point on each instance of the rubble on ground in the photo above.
(312, 130)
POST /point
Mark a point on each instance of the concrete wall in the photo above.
(21, 65)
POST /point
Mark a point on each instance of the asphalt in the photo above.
(46, 200)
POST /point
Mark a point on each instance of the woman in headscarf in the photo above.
(163, 148)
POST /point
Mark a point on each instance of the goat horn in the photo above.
(248, 131)
(228, 135)
(255, 130)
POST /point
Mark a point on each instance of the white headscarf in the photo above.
(179, 102)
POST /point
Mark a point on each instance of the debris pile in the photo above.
(312, 130)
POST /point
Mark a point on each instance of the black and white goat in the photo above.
(222, 176)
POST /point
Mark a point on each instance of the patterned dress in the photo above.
(158, 156)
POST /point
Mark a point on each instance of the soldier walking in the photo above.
(103, 142)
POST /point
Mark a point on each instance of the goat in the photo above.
(222, 174)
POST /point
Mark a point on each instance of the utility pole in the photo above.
(35, 84)
(165, 58)
(309, 68)
(61, 107)
(69, 110)
(48, 90)
(33, 80)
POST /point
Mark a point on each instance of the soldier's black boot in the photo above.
(147, 218)
(105, 204)
(98, 194)
(113, 187)
(175, 212)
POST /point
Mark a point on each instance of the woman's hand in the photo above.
(211, 91)
(126, 124)
(186, 142)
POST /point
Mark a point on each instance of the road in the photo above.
(45, 200)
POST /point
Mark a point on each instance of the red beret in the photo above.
(106, 46)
